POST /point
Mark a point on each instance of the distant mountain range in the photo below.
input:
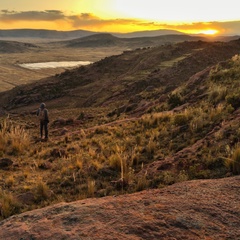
(67, 35)
(150, 33)
(108, 40)
(54, 34)
(43, 33)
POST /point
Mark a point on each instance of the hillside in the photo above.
(103, 40)
(143, 119)
(123, 79)
(16, 47)
(34, 50)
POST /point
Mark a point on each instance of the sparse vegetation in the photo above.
(14, 139)
(152, 144)
(234, 163)
(8, 205)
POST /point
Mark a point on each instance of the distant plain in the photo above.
(13, 75)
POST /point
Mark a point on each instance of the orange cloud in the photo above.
(59, 20)
(48, 15)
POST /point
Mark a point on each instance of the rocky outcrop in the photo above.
(200, 209)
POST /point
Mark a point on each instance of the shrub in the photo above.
(14, 139)
(175, 100)
(180, 119)
(217, 93)
(41, 191)
(182, 176)
(91, 188)
(9, 181)
(8, 205)
(115, 161)
(151, 147)
(234, 100)
(234, 163)
(142, 183)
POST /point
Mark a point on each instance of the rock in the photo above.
(26, 198)
(198, 209)
(149, 88)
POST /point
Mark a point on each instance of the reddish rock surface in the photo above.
(200, 209)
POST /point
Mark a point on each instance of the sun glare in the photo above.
(210, 32)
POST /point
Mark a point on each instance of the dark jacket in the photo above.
(42, 114)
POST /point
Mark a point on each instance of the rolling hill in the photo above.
(16, 47)
(43, 33)
(108, 40)
(150, 33)
(164, 68)
(54, 34)
(141, 120)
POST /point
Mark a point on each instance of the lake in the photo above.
(67, 64)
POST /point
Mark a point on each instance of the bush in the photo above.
(234, 162)
(180, 119)
(115, 161)
(175, 100)
(14, 139)
(8, 205)
(234, 100)
(41, 191)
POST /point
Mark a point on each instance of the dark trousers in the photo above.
(44, 126)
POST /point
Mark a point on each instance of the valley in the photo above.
(13, 75)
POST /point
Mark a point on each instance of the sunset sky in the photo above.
(189, 16)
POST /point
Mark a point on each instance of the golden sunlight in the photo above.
(199, 31)
(210, 32)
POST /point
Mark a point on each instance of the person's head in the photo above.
(43, 105)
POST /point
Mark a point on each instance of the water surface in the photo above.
(67, 64)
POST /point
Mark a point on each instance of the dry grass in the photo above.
(91, 188)
(41, 191)
(93, 158)
(234, 163)
(8, 205)
(14, 139)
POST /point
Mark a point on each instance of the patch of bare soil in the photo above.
(200, 209)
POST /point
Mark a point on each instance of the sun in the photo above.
(210, 32)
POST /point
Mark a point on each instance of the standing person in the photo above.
(42, 114)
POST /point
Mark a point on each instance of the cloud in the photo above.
(83, 20)
(89, 21)
(228, 28)
(48, 15)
